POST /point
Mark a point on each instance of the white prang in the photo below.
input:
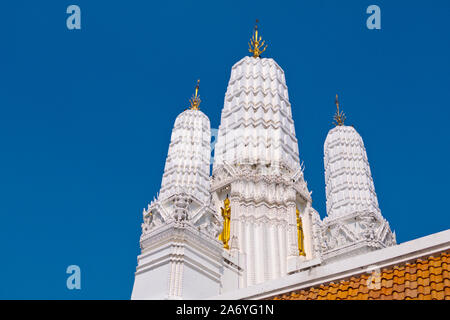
(187, 163)
(354, 223)
(181, 256)
(256, 164)
(256, 124)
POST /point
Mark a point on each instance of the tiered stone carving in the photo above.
(186, 182)
(354, 223)
(256, 163)
(187, 163)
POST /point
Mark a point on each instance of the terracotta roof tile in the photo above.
(423, 279)
(342, 294)
(426, 290)
(398, 287)
(438, 278)
(411, 293)
(447, 291)
(446, 283)
(387, 283)
(374, 294)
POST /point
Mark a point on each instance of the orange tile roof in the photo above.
(424, 279)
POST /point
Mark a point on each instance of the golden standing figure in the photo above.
(226, 215)
(301, 247)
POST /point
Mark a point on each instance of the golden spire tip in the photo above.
(256, 45)
(339, 116)
(195, 100)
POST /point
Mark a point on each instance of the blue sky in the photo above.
(86, 117)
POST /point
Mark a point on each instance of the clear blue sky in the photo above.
(86, 117)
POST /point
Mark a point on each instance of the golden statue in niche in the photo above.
(301, 247)
(226, 215)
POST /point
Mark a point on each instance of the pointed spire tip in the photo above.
(256, 44)
(195, 100)
(339, 116)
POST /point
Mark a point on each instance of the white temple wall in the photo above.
(151, 285)
(178, 265)
(233, 268)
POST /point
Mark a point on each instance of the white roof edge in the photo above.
(404, 252)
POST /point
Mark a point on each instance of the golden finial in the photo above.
(195, 100)
(339, 116)
(255, 43)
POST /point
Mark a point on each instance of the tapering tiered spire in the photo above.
(257, 125)
(187, 164)
(349, 184)
(354, 222)
(181, 225)
(256, 162)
